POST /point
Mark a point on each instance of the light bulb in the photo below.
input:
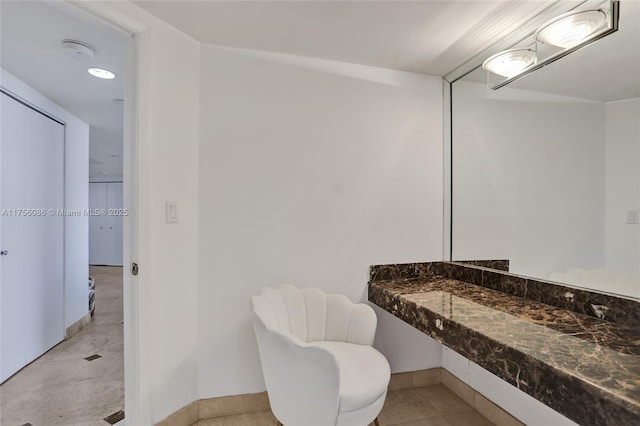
(510, 62)
(101, 73)
(571, 29)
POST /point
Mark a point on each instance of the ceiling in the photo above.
(605, 71)
(429, 37)
(31, 34)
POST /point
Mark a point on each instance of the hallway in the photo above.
(80, 381)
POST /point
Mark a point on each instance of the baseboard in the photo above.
(186, 416)
(77, 326)
(210, 408)
(415, 379)
(483, 405)
(217, 407)
(232, 405)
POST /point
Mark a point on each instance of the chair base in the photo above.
(375, 422)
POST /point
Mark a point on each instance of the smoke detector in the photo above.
(78, 50)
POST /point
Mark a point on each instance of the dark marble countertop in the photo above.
(585, 368)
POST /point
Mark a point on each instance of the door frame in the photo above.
(136, 390)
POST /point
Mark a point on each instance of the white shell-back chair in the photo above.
(319, 365)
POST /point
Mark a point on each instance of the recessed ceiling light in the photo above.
(571, 29)
(102, 73)
(510, 62)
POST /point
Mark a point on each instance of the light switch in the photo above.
(172, 211)
(632, 217)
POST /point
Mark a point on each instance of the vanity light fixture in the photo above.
(510, 62)
(565, 34)
(571, 29)
(101, 73)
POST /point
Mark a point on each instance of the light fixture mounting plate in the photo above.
(78, 50)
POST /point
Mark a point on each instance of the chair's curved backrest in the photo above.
(303, 380)
(311, 315)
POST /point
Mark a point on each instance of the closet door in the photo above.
(12, 228)
(99, 245)
(114, 203)
(31, 232)
(105, 228)
(44, 189)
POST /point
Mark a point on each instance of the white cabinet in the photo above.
(105, 223)
(31, 235)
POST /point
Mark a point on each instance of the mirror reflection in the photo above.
(546, 170)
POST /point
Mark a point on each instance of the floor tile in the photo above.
(494, 413)
(261, 418)
(433, 421)
(61, 387)
(467, 418)
(92, 357)
(442, 399)
(230, 405)
(115, 417)
(405, 405)
(401, 381)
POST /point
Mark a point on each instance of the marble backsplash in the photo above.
(575, 350)
(609, 307)
(499, 264)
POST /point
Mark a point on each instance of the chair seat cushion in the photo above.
(364, 373)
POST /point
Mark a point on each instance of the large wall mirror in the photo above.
(546, 170)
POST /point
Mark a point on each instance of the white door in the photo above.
(12, 228)
(45, 239)
(31, 235)
(114, 201)
(105, 223)
(99, 246)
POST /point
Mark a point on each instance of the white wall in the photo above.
(623, 186)
(285, 169)
(310, 171)
(76, 197)
(161, 302)
(528, 179)
(169, 86)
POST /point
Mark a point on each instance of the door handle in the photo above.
(4, 252)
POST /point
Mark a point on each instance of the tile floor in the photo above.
(68, 385)
(433, 405)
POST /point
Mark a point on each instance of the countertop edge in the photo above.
(554, 387)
